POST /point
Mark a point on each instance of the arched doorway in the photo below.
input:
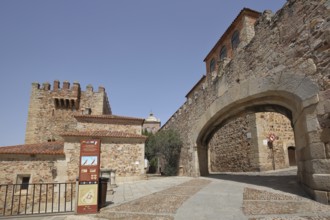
(292, 156)
(265, 95)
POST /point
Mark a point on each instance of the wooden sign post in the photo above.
(89, 171)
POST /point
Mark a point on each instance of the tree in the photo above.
(165, 144)
(149, 151)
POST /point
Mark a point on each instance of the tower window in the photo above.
(235, 39)
(212, 65)
(223, 53)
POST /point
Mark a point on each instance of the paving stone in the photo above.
(160, 205)
(261, 202)
(135, 216)
(255, 194)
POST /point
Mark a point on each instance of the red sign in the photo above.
(89, 170)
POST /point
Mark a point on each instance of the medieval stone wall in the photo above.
(96, 101)
(51, 111)
(41, 168)
(242, 143)
(126, 157)
(232, 148)
(287, 63)
(90, 126)
(276, 155)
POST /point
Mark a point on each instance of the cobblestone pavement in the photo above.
(276, 196)
(230, 196)
(160, 205)
(271, 205)
(132, 190)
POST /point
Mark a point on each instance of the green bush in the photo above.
(167, 145)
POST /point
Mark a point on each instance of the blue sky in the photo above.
(147, 54)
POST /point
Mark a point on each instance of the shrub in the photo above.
(165, 144)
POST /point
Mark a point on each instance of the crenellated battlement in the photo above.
(66, 87)
(52, 108)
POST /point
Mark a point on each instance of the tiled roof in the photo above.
(113, 134)
(48, 148)
(110, 118)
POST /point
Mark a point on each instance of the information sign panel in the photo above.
(89, 161)
(87, 198)
(89, 170)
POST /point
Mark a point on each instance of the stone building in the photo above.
(278, 65)
(51, 111)
(58, 120)
(236, 37)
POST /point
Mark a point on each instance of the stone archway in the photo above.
(286, 65)
(284, 93)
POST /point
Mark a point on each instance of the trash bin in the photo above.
(102, 192)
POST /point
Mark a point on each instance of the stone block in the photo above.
(321, 182)
(308, 66)
(306, 89)
(300, 140)
(314, 151)
(327, 150)
(325, 95)
(321, 196)
(278, 69)
(312, 123)
(313, 137)
(325, 135)
(317, 166)
(310, 101)
(323, 107)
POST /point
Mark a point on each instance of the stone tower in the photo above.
(51, 111)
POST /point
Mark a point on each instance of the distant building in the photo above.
(151, 124)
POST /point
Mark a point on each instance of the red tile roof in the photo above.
(110, 118)
(48, 148)
(113, 134)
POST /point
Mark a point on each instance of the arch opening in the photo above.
(241, 142)
(301, 104)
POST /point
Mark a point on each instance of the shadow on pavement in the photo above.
(282, 181)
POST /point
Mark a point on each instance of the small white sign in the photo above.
(265, 142)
